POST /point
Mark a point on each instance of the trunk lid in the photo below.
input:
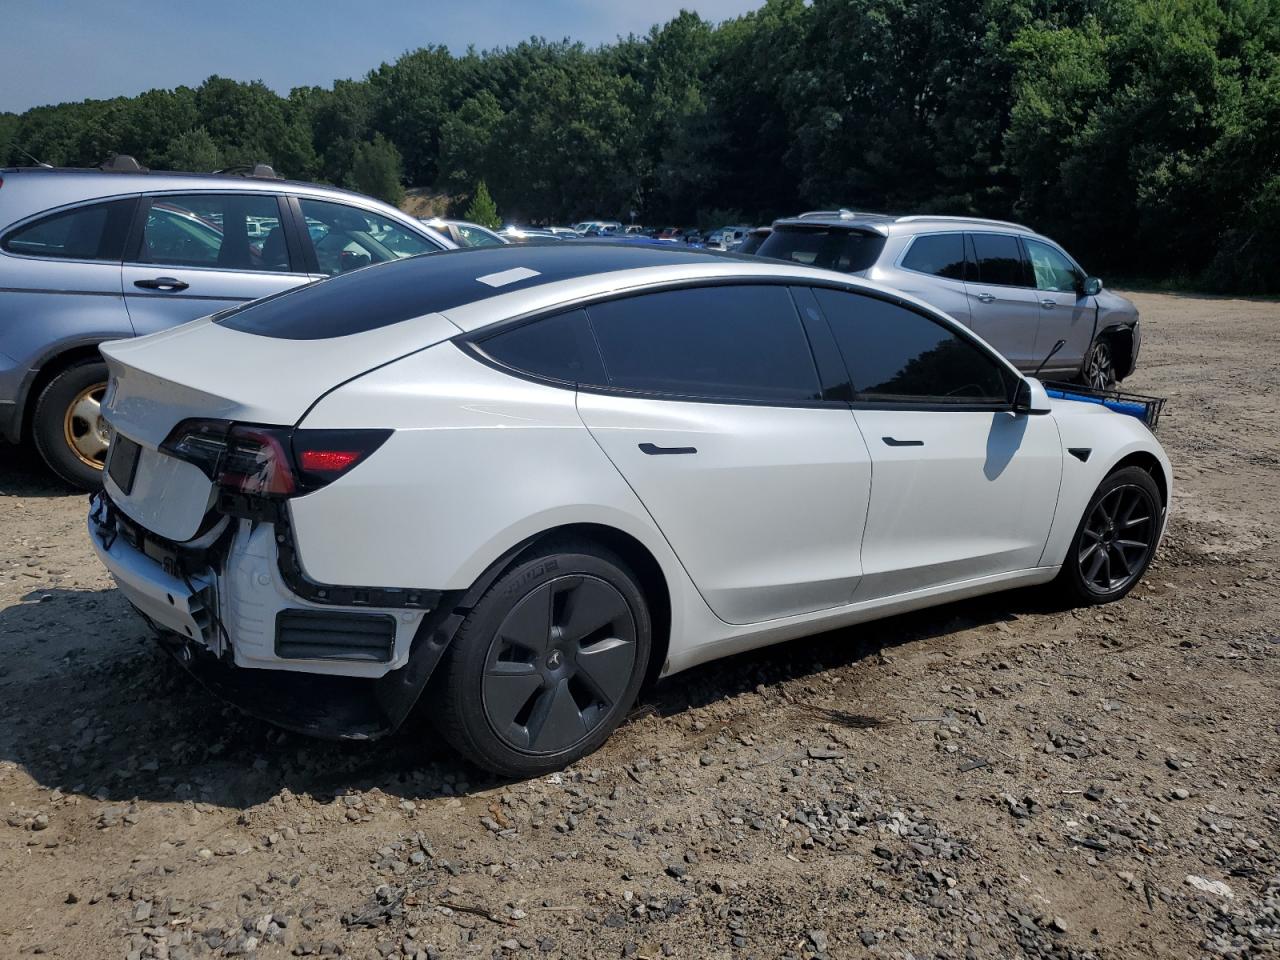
(205, 370)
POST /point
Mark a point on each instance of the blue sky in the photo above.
(55, 50)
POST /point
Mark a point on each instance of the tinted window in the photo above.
(347, 238)
(1051, 269)
(732, 343)
(474, 237)
(833, 249)
(939, 254)
(897, 354)
(94, 232)
(228, 231)
(560, 348)
(999, 259)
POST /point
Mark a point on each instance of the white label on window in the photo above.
(504, 277)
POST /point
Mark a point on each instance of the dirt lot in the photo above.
(989, 779)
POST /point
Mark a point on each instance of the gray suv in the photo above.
(93, 255)
(1019, 291)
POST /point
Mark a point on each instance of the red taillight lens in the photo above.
(270, 461)
(324, 455)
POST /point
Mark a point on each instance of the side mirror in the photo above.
(1030, 399)
(1091, 287)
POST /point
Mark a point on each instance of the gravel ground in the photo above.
(994, 778)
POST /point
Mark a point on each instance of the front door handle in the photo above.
(161, 283)
(1048, 304)
(986, 298)
(653, 450)
(894, 442)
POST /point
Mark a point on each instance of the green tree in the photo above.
(193, 151)
(482, 209)
(376, 169)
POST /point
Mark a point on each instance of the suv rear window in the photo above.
(832, 248)
(93, 232)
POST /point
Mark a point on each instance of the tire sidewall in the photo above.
(469, 653)
(47, 422)
(1072, 576)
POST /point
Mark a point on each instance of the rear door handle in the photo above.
(1048, 304)
(653, 450)
(986, 297)
(161, 283)
(894, 442)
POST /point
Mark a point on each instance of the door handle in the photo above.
(1048, 304)
(162, 283)
(653, 450)
(986, 298)
(894, 442)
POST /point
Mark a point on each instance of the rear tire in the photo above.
(1116, 539)
(547, 663)
(67, 424)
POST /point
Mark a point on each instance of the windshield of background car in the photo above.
(831, 248)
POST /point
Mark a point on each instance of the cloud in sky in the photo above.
(61, 50)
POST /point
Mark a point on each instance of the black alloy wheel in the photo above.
(562, 658)
(1116, 539)
(547, 663)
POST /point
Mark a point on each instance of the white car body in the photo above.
(790, 519)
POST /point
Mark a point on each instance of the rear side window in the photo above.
(558, 348)
(999, 259)
(848, 251)
(723, 343)
(221, 230)
(938, 254)
(94, 232)
(897, 355)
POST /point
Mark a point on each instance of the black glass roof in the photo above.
(388, 293)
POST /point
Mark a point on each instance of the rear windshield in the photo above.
(832, 248)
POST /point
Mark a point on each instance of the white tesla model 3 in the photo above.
(538, 476)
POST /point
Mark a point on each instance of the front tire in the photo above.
(1100, 366)
(67, 424)
(1116, 539)
(547, 663)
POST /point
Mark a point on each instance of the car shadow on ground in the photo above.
(117, 720)
(24, 474)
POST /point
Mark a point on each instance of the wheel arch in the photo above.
(1145, 460)
(653, 581)
(48, 367)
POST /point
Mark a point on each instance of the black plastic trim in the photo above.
(294, 627)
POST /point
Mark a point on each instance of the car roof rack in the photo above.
(263, 171)
(918, 217)
(121, 163)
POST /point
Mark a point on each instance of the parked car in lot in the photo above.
(750, 244)
(597, 227)
(697, 455)
(1018, 290)
(464, 233)
(92, 255)
(726, 238)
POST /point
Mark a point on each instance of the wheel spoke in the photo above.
(88, 409)
(528, 625)
(1135, 544)
(589, 607)
(1092, 535)
(1106, 567)
(91, 445)
(1092, 549)
(607, 666)
(1124, 561)
(507, 689)
(1133, 522)
(556, 721)
(1099, 558)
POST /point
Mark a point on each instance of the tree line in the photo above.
(1143, 134)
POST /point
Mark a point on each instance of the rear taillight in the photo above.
(265, 461)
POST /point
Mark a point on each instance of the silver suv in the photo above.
(1016, 289)
(93, 255)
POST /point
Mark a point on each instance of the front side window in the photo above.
(938, 254)
(220, 230)
(558, 348)
(834, 248)
(1052, 270)
(897, 355)
(94, 232)
(999, 259)
(346, 238)
(722, 342)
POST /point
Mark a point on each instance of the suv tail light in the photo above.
(263, 461)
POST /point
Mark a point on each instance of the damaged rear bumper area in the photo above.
(224, 605)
